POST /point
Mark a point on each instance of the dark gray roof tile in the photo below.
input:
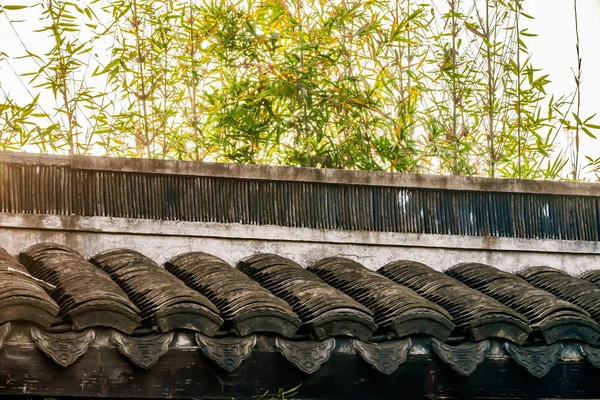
(581, 291)
(325, 310)
(21, 296)
(164, 300)
(244, 304)
(86, 295)
(397, 309)
(551, 315)
(473, 312)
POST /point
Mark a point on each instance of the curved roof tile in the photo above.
(581, 291)
(476, 314)
(21, 296)
(553, 316)
(244, 304)
(163, 299)
(86, 295)
(325, 310)
(397, 308)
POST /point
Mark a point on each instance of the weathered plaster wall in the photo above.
(161, 240)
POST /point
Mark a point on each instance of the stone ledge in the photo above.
(150, 227)
(299, 174)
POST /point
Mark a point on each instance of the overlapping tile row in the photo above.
(324, 310)
(591, 276)
(21, 297)
(397, 309)
(581, 291)
(164, 300)
(336, 296)
(86, 295)
(246, 306)
(121, 290)
(554, 318)
(475, 314)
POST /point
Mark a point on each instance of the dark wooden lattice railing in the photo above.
(297, 197)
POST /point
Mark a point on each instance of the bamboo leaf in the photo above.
(14, 7)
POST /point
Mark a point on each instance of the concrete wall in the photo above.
(161, 240)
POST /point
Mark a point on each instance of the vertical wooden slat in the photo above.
(50, 189)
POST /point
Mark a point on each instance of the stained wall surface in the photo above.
(161, 240)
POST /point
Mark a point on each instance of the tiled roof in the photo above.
(299, 310)
(551, 315)
(318, 198)
(397, 309)
(244, 304)
(475, 314)
(163, 299)
(86, 295)
(21, 296)
(320, 306)
(124, 290)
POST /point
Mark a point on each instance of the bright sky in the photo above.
(553, 51)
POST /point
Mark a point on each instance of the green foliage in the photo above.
(435, 87)
(282, 394)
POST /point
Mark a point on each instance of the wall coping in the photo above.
(237, 232)
(300, 174)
